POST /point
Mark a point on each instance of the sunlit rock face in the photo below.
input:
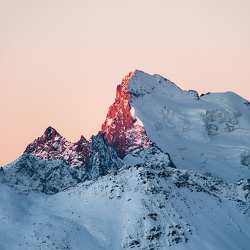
(121, 128)
(52, 146)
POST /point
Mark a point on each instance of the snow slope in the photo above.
(207, 133)
(142, 207)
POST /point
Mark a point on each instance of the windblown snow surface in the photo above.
(142, 207)
(147, 204)
(208, 133)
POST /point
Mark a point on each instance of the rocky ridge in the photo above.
(121, 128)
(52, 146)
(122, 134)
(32, 172)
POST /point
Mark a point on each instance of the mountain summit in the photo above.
(205, 133)
(169, 169)
(152, 119)
(52, 146)
(122, 128)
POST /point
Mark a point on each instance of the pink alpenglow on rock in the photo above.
(122, 129)
(52, 146)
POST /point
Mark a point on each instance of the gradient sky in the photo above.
(60, 60)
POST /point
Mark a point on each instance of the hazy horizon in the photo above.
(62, 60)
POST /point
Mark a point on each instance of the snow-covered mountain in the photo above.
(139, 207)
(52, 146)
(169, 169)
(207, 133)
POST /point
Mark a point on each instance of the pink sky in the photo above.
(60, 60)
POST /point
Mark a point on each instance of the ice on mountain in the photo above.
(175, 118)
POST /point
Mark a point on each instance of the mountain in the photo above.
(51, 164)
(121, 128)
(169, 169)
(52, 146)
(141, 207)
(207, 133)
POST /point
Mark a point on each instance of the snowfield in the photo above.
(141, 207)
(207, 134)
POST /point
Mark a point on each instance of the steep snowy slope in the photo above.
(35, 174)
(142, 207)
(207, 133)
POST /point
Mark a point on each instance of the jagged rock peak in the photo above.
(82, 139)
(123, 131)
(125, 81)
(52, 146)
(50, 133)
(95, 153)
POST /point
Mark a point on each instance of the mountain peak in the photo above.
(46, 145)
(121, 128)
(50, 133)
(83, 153)
(186, 159)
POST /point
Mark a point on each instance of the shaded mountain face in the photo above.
(29, 172)
(55, 174)
(142, 207)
